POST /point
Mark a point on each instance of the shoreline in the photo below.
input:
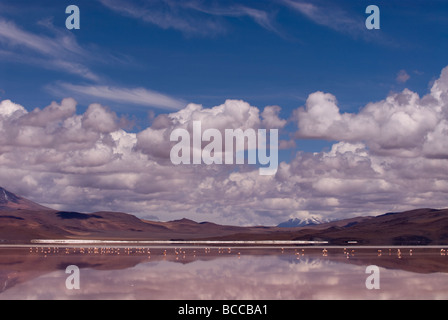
(206, 243)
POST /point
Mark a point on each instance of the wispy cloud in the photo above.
(332, 17)
(190, 17)
(166, 15)
(61, 52)
(136, 96)
(261, 17)
(199, 18)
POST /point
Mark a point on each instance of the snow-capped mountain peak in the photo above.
(294, 223)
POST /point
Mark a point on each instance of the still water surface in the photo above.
(251, 273)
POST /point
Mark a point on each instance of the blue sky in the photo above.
(278, 58)
(144, 59)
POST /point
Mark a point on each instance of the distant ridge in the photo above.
(393, 213)
(10, 201)
(22, 221)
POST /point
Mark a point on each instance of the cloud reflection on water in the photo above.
(251, 277)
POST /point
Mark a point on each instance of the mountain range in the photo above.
(22, 220)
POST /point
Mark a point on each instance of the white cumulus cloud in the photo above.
(389, 156)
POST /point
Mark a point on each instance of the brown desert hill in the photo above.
(22, 220)
(25, 225)
(416, 227)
